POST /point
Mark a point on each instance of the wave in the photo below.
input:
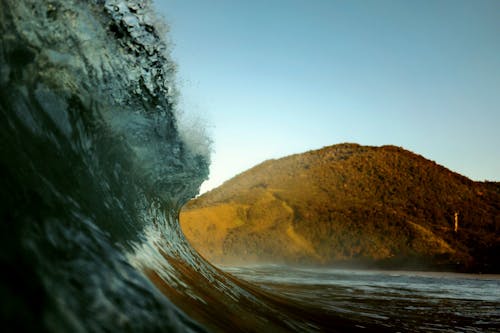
(95, 167)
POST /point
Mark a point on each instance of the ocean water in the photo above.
(94, 167)
(398, 300)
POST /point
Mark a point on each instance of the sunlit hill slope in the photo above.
(350, 205)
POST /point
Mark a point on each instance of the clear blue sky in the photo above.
(276, 77)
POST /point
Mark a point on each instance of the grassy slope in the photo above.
(381, 206)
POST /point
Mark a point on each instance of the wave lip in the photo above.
(89, 143)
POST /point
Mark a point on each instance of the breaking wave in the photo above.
(94, 169)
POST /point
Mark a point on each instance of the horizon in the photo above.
(281, 78)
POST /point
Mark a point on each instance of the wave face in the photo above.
(91, 159)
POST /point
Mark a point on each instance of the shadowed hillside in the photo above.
(350, 205)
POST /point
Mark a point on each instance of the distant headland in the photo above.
(349, 205)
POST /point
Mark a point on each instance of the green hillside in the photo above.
(350, 205)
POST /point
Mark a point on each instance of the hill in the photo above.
(350, 205)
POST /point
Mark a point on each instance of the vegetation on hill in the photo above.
(350, 204)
